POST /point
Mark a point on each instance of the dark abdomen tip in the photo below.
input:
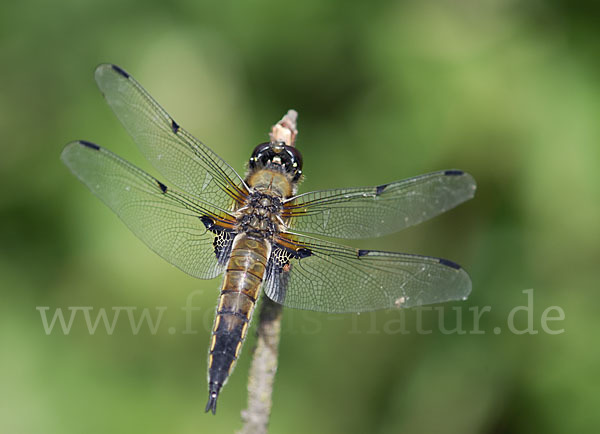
(213, 394)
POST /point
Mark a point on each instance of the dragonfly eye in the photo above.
(279, 157)
(260, 156)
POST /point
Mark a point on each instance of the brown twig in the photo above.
(264, 361)
(286, 129)
(263, 369)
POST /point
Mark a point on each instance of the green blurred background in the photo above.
(506, 90)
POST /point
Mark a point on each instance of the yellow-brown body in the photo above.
(258, 221)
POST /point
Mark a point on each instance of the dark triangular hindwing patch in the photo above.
(223, 240)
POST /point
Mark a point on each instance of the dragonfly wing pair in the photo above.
(180, 157)
(189, 220)
(169, 221)
(329, 277)
(368, 212)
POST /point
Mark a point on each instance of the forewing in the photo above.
(375, 211)
(306, 273)
(173, 224)
(181, 158)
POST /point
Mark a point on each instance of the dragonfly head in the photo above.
(278, 157)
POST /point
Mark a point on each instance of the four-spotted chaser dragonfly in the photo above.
(208, 220)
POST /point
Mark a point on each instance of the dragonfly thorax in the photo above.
(261, 215)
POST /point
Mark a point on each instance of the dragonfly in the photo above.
(207, 220)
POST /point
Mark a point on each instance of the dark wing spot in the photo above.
(207, 221)
(453, 172)
(162, 186)
(89, 145)
(303, 253)
(120, 71)
(450, 264)
(280, 260)
(299, 253)
(222, 243)
(174, 126)
(362, 252)
(223, 239)
(379, 189)
(278, 273)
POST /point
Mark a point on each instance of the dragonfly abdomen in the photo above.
(239, 292)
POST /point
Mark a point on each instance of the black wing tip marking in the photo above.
(174, 126)
(120, 70)
(162, 186)
(361, 252)
(453, 172)
(449, 263)
(379, 189)
(89, 145)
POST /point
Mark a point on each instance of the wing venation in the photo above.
(170, 222)
(375, 211)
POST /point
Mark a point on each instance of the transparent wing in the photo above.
(181, 158)
(306, 273)
(171, 223)
(374, 211)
